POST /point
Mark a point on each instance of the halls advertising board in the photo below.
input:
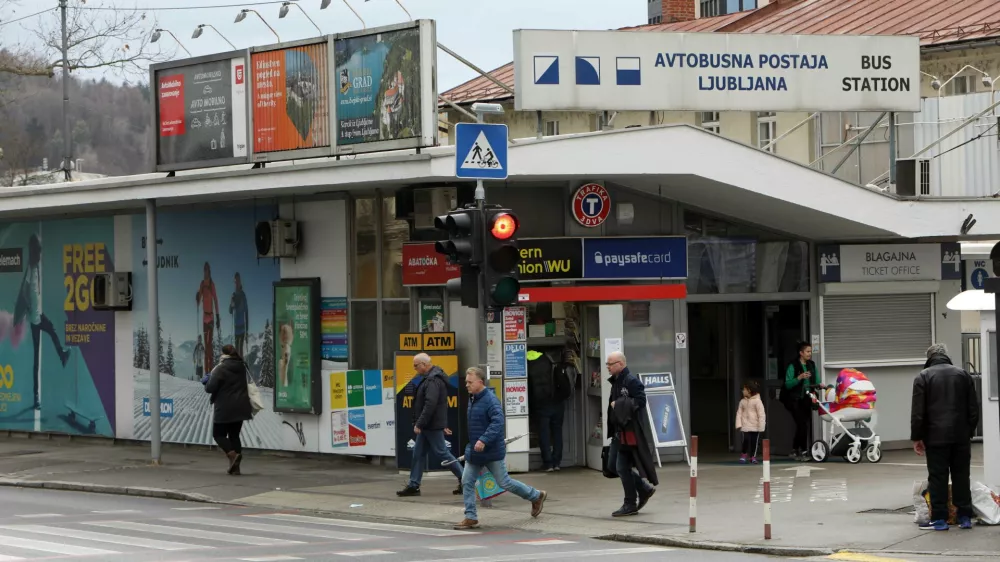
(291, 100)
(200, 112)
(658, 71)
(386, 91)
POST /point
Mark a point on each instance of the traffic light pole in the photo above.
(480, 197)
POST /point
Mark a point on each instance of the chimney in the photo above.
(678, 10)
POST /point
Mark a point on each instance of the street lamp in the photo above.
(284, 12)
(935, 81)
(326, 4)
(243, 15)
(201, 28)
(157, 34)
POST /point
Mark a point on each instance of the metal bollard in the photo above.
(693, 511)
(767, 489)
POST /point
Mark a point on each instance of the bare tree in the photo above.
(100, 33)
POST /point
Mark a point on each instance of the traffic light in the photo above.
(501, 257)
(464, 247)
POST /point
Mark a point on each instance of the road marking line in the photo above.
(456, 547)
(363, 525)
(116, 511)
(365, 553)
(858, 557)
(571, 554)
(194, 508)
(102, 537)
(251, 526)
(38, 515)
(271, 558)
(192, 533)
(5, 558)
(545, 542)
(46, 546)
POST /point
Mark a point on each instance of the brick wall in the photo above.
(678, 10)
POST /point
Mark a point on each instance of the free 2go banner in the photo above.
(298, 350)
(57, 354)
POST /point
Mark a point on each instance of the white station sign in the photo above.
(661, 71)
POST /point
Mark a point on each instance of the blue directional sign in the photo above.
(481, 151)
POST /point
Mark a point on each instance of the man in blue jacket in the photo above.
(487, 449)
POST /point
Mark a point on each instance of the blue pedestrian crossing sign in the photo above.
(481, 151)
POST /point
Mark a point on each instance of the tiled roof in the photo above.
(936, 22)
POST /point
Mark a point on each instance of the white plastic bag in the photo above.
(256, 403)
(986, 504)
(921, 513)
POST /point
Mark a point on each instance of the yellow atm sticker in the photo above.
(409, 342)
(439, 341)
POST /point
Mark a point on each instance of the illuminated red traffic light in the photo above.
(504, 226)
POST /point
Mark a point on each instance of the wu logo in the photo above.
(6, 377)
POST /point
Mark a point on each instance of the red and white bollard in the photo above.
(767, 489)
(693, 510)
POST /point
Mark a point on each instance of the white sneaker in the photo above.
(550, 469)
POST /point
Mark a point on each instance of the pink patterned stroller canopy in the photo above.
(854, 390)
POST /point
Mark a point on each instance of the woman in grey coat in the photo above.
(228, 387)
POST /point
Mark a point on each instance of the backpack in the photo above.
(562, 384)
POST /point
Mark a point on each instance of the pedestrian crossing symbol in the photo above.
(481, 151)
(481, 154)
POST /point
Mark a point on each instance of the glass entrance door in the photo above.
(785, 325)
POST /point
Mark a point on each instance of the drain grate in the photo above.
(905, 510)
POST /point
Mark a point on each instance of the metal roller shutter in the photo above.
(860, 328)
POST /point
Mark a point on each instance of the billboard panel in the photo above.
(200, 112)
(627, 70)
(291, 100)
(386, 95)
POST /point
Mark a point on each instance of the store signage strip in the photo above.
(889, 262)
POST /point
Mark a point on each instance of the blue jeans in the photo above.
(625, 467)
(433, 439)
(499, 470)
(550, 433)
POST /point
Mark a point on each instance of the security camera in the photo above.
(987, 81)
(936, 84)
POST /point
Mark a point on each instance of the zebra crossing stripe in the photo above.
(363, 525)
(56, 548)
(251, 526)
(101, 537)
(192, 533)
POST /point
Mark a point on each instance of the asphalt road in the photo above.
(55, 525)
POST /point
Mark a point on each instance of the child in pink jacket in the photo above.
(751, 419)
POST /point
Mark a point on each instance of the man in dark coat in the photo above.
(943, 418)
(632, 446)
(430, 424)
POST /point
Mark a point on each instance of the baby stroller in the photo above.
(851, 401)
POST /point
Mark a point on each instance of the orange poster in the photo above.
(291, 107)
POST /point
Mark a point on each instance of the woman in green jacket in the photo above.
(800, 374)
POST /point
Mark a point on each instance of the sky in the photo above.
(479, 31)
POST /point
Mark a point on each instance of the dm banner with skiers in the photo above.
(57, 369)
(213, 291)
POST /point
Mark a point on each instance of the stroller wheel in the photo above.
(873, 453)
(853, 454)
(819, 451)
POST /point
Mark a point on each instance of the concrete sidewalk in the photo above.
(817, 509)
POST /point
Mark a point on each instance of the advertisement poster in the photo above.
(665, 418)
(513, 323)
(362, 418)
(515, 397)
(230, 300)
(515, 360)
(431, 316)
(422, 265)
(297, 345)
(378, 94)
(291, 108)
(57, 354)
(334, 330)
(406, 383)
(201, 113)
(658, 257)
(494, 346)
(547, 259)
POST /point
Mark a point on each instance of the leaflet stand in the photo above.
(664, 413)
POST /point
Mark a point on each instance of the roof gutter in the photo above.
(976, 44)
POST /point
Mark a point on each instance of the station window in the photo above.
(380, 304)
(767, 129)
(551, 128)
(710, 121)
(961, 85)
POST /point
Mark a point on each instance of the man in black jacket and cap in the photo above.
(943, 418)
(632, 447)
(430, 424)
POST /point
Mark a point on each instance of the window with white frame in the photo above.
(767, 129)
(961, 85)
(551, 128)
(710, 121)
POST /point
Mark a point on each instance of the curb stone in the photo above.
(789, 551)
(106, 489)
